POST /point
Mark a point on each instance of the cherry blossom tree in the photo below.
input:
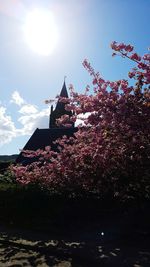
(110, 153)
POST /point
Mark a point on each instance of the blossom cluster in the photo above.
(142, 70)
(111, 149)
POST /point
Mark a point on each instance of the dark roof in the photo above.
(45, 137)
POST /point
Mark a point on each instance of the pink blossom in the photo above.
(129, 48)
(135, 56)
(146, 57)
(143, 66)
(131, 74)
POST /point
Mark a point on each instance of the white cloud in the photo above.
(7, 127)
(29, 118)
(32, 121)
(17, 99)
(81, 117)
(28, 109)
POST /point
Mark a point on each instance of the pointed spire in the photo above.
(64, 92)
(61, 106)
(59, 109)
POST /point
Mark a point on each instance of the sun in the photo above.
(40, 31)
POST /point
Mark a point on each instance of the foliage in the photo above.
(111, 150)
(4, 165)
(6, 176)
(8, 158)
(30, 206)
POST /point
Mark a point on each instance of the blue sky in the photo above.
(86, 28)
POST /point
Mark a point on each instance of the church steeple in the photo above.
(60, 109)
(64, 92)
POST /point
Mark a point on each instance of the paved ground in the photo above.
(89, 246)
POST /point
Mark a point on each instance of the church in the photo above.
(45, 137)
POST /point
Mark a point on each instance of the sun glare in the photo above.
(41, 31)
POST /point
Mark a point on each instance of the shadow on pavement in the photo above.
(81, 248)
